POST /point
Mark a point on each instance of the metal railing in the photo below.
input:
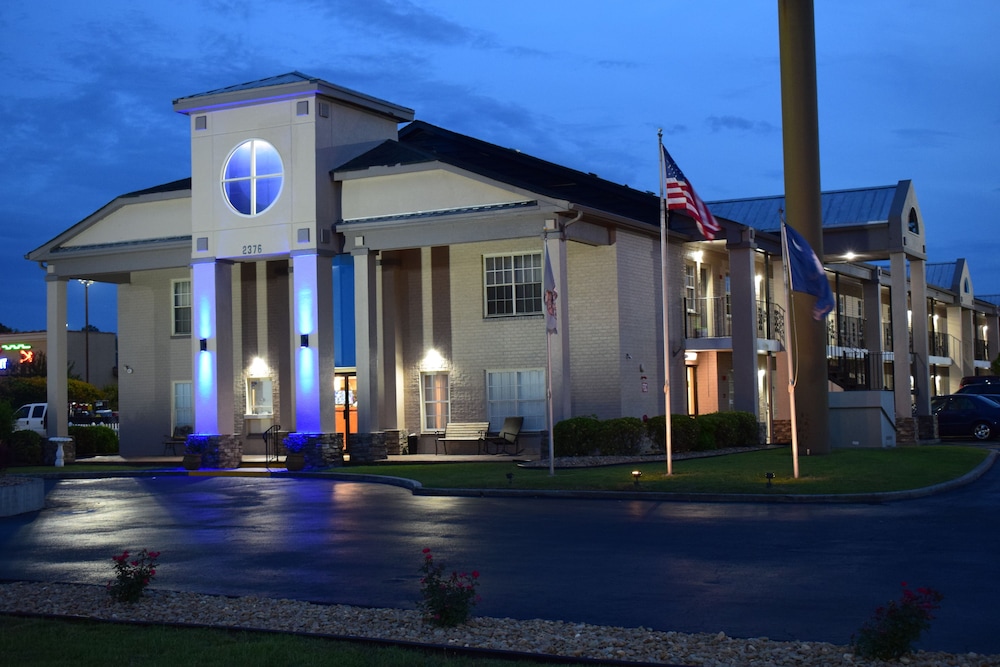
(711, 317)
(845, 331)
(270, 445)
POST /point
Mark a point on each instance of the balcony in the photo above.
(711, 317)
(845, 331)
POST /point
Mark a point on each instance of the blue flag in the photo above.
(807, 273)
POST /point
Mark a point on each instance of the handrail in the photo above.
(268, 436)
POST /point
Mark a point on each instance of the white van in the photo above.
(32, 417)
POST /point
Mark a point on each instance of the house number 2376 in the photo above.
(252, 249)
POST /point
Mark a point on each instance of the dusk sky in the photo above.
(908, 89)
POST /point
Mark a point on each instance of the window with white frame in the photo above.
(181, 305)
(435, 398)
(183, 404)
(516, 393)
(690, 288)
(513, 284)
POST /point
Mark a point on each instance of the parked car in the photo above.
(979, 379)
(966, 415)
(32, 417)
(981, 388)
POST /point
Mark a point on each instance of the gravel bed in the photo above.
(534, 637)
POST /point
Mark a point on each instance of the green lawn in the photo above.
(30, 641)
(844, 471)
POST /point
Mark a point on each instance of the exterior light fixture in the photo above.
(203, 344)
(636, 474)
(304, 340)
(769, 476)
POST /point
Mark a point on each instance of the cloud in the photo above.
(924, 136)
(740, 124)
(404, 19)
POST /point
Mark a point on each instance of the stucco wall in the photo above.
(156, 360)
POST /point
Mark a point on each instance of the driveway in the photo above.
(785, 571)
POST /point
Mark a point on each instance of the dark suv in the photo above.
(980, 379)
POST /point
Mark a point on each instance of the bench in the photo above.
(462, 432)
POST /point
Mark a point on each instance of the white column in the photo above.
(366, 339)
(921, 341)
(212, 322)
(56, 357)
(744, 334)
(900, 335)
(312, 322)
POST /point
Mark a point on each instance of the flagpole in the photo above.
(789, 342)
(666, 306)
(550, 328)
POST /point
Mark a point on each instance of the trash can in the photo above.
(412, 443)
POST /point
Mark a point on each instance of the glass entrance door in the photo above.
(345, 387)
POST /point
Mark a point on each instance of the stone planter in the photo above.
(191, 461)
(319, 450)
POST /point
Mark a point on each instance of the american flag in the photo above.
(680, 195)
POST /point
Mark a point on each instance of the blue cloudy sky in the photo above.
(908, 89)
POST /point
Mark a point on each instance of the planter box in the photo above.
(19, 495)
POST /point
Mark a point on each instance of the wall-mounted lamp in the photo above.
(203, 345)
(304, 340)
(128, 369)
(636, 474)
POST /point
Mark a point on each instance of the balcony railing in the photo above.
(982, 350)
(845, 331)
(711, 317)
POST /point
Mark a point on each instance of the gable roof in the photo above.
(420, 142)
(841, 208)
(941, 274)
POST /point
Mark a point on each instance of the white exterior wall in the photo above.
(640, 320)
(157, 360)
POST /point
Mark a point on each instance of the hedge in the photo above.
(94, 440)
(625, 436)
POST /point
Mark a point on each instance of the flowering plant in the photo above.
(890, 632)
(132, 575)
(295, 443)
(447, 601)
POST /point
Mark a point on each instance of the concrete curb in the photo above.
(417, 489)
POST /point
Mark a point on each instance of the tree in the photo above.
(5, 329)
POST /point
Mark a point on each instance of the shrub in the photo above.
(656, 431)
(621, 436)
(132, 575)
(708, 425)
(684, 433)
(26, 449)
(446, 601)
(889, 634)
(576, 436)
(94, 440)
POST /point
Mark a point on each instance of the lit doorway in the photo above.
(345, 387)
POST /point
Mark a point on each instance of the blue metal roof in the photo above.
(841, 208)
(941, 274)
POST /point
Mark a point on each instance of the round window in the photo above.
(252, 177)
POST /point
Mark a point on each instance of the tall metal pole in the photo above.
(664, 280)
(804, 211)
(86, 329)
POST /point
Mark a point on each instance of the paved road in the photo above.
(800, 571)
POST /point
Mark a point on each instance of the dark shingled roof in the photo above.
(421, 142)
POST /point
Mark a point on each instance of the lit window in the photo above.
(181, 319)
(252, 178)
(513, 284)
(435, 399)
(519, 393)
(183, 404)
